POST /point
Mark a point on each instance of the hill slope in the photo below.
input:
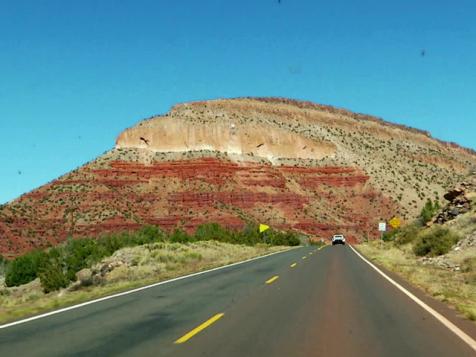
(294, 165)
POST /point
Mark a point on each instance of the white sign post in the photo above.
(382, 227)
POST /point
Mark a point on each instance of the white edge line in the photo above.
(136, 290)
(447, 323)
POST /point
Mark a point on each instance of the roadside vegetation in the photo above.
(127, 268)
(57, 267)
(86, 268)
(432, 241)
(429, 256)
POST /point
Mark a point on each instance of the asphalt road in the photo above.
(330, 304)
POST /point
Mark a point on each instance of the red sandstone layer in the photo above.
(318, 201)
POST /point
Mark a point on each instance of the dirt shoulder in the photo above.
(454, 287)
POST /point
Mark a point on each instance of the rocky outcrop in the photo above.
(459, 203)
(224, 134)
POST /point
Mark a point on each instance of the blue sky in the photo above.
(74, 74)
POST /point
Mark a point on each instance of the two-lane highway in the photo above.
(302, 302)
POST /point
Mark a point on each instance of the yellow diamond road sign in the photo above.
(263, 227)
(395, 222)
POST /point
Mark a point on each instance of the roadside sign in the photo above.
(382, 227)
(263, 227)
(395, 222)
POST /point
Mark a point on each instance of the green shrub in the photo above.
(24, 269)
(429, 210)
(81, 253)
(436, 241)
(286, 238)
(213, 231)
(3, 264)
(58, 266)
(391, 235)
(52, 271)
(250, 235)
(148, 234)
(180, 236)
(408, 233)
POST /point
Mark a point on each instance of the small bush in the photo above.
(286, 238)
(81, 253)
(436, 241)
(24, 269)
(429, 210)
(468, 265)
(391, 235)
(180, 236)
(52, 271)
(149, 234)
(213, 231)
(407, 234)
(3, 265)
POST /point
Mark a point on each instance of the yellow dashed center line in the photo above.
(197, 329)
(304, 257)
(272, 280)
(293, 265)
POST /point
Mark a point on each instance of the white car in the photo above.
(338, 239)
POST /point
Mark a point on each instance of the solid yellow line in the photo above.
(293, 265)
(197, 329)
(273, 279)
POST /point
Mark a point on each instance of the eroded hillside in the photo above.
(294, 165)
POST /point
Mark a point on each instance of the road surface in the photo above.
(329, 304)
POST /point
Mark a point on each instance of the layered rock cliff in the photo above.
(293, 165)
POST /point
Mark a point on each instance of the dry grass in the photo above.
(134, 267)
(455, 288)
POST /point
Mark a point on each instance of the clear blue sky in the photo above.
(74, 74)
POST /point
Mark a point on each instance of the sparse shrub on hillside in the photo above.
(429, 210)
(435, 241)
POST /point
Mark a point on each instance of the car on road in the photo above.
(338, 239)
